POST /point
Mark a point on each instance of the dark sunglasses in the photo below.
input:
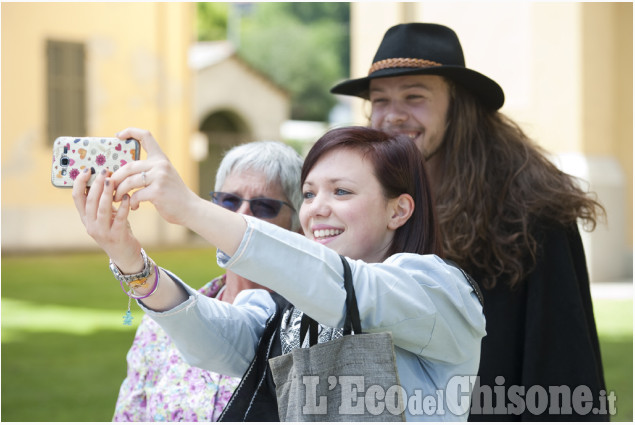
(260, 207)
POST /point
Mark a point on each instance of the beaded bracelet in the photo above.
(127, 319)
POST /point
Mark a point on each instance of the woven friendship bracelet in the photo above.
(402, 63)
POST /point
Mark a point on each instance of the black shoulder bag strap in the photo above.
(254, 400)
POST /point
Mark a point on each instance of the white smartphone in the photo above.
(71, 155)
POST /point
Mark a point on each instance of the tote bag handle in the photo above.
(352, 321)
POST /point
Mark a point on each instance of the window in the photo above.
(66, 86)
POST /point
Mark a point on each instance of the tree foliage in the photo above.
(211, 21)
(302, 47)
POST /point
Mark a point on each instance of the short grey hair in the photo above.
(279, 162)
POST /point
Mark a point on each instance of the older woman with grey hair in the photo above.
(261, 179)
(279, 165)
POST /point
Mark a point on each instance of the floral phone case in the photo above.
(71, 155)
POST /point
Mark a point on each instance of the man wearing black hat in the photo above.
(509, 218)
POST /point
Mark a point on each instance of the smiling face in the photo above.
(414, 105)
(345, 208)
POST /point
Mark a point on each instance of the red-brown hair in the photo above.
(399, 168)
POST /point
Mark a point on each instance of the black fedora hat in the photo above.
(418, 48)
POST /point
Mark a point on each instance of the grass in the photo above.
(615, 326)
(64, 345)
(63, 342)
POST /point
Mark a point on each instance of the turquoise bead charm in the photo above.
(127, 319)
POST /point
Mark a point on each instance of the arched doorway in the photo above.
(224, 129)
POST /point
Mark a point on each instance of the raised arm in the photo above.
(228, 333)
(153, 180)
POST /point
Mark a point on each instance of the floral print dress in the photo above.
(161, 386)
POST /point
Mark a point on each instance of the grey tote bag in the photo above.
(352, 379)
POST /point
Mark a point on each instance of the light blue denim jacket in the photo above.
(434, 316)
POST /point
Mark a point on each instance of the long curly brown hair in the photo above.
(495, 185)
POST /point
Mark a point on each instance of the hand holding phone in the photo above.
(71, 155)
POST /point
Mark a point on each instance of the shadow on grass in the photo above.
(63, 377)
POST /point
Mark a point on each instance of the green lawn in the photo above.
(615, 325)
(64, 344)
